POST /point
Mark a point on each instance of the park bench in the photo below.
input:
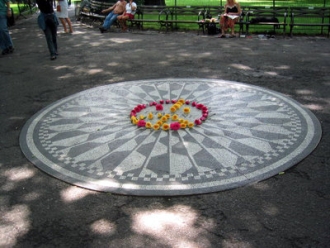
(208, 19)
(267, 16)
(310, 17)
(149, 14)
(184, 15)
(25, 7)
(93, 13)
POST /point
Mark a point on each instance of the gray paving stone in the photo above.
(251, 134)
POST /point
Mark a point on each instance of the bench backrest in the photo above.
(97, 6)
(186, 12)
(266, 12)
(310, 12)
(213, 11)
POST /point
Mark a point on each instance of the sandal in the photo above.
(222, 36)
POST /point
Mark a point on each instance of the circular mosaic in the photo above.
(249, 134)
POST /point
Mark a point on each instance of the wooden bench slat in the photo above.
(322, 15)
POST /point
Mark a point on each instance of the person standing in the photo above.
(63, 15)
(128, 14)
(48, 22)
(117, 9)
(6, 43)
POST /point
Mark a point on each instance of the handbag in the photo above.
(11, 19)
(58, 8)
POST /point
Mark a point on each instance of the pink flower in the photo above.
(133, 113)
(187, 102)
(159, 107)
(161, 101)
(198, 122)
(168, 101)
(175, 126)
(205, 115)
(194, 104)
(202, 118)
(173, 101)
(141, 123)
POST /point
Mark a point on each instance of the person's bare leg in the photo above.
(70, 24)
(64, 25)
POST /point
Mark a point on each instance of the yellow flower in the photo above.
(181, 120)
(177, 106)
(155, 126)
(186, 110)
(159, 123)
(148, 124)
(181, 100)
(190, 124)
(173, 109)
(159, 115)
(150, 116)
(135, 121)
(142, 117)
(175, 117)
(168, 116)
(166, 126)
(133, 118)
(186, 122)
(182, 125)
(164, 119)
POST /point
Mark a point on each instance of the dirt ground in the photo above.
(287, 210)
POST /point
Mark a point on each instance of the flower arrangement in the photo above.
(169, 114)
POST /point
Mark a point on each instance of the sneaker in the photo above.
(102, 29)
(11, 49)
(5, 51)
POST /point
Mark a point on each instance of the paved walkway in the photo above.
(286, 210)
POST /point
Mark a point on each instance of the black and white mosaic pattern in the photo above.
(88, 140)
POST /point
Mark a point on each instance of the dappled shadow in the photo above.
(288, 210)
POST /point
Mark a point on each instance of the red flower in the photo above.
(204, 108)
(137, 109)
(199, 106)
(175, 126)
(187, 102)
(168, 101)
(198, 122)
(141, 123)
(159, 107)
(194, 104)
(161, 101)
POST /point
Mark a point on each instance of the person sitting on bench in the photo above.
(117, 9)
(128, 14)
(229, 18)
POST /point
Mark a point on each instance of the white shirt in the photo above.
(129, 8)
